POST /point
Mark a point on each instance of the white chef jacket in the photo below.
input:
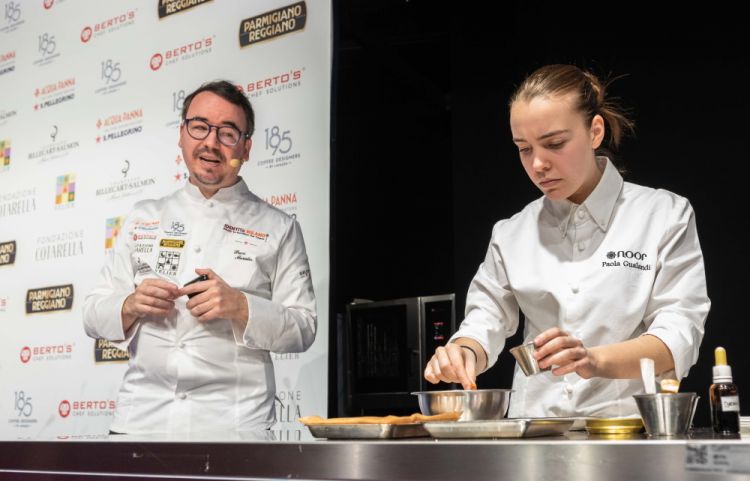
(183, 374)
(625, 262)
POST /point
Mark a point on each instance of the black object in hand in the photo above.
(200, 278)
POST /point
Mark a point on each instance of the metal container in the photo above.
(501, 428)
(475, 405)
(667, 414)
(524, 355)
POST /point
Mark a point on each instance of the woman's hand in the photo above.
(454, 363)
(556, 348)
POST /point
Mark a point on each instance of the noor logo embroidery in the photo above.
(626, 259)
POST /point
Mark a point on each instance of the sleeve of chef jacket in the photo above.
(288, 321)
(491, 307)
(679, 304)
(102, 308)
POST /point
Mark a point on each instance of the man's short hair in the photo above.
(228, 92)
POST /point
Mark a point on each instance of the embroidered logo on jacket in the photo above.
(172, 243)
(176, 228)
(168, 263)
(246, 232)
(626, 259)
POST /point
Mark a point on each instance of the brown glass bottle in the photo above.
(724, 396)
(725, 417)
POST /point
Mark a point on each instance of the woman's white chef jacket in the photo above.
(625, 262)
(186, 375)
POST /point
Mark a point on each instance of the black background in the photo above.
(423, 164)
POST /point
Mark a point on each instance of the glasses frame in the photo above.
(243, 135)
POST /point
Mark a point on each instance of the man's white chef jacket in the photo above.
(625, 262)
(186, 375)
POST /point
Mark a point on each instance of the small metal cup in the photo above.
(667, 414)
(524, 355)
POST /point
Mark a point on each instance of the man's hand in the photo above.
(215, 299)
(555, 347)
(152, 297)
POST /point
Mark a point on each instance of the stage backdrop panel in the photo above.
(89, 119)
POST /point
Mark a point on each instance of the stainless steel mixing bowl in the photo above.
(475, 405)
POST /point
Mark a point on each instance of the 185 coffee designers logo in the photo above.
(23, 410)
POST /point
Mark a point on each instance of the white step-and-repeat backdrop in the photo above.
(90, 97)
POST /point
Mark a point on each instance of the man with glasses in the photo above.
(200, 348)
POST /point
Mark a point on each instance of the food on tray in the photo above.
(414, 418)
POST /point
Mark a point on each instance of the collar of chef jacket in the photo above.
(600, 204)
(232, 193)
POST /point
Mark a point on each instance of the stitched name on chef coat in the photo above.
(630, 259)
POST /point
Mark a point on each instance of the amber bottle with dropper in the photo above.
(724, 397)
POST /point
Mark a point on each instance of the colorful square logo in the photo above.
(4, 155)
(112, 230)
(66, 190)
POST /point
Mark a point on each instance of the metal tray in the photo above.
(368, 431)
(501, 428)
(614, 425)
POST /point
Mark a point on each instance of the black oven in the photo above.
(387, 345)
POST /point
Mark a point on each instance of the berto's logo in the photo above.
(86, 34)
(25, 354)
(64, 408)
(156, 61)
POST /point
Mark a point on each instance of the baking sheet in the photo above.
(368, 431)
(501, 428)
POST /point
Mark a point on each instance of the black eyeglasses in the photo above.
(199, 129)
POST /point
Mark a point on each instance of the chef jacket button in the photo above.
(182, 395)
(181, 345)
(569, 388)
(210, 204)
(581, 213)
(581, 246)
(197, 249)
(574, 289)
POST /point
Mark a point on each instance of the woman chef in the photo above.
(606, 272)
